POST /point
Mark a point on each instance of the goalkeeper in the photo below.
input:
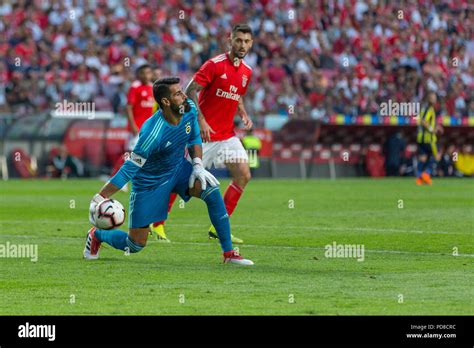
(157, 167)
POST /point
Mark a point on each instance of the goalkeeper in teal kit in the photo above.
(157, 167)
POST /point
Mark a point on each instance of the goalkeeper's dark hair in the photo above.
(161, 88)
(243, 28)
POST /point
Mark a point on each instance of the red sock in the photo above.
(231, 197)
(170, 204)
(172, 199)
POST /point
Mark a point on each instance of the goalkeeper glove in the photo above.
(96, 200)
(202, 175)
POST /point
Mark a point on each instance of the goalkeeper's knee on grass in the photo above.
(133, 247)
(119, 240)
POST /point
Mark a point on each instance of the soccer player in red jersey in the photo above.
(222, 82)
(140, 100)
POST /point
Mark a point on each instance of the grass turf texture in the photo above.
(408, 252)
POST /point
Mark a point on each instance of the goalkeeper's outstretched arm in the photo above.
(124, 175)
(105, 192)
(126, 172)
(195, 151)
(108, 190)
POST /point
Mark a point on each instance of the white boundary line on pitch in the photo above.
(312, 228)
(323, 248)
(266, 246)
(348, 229)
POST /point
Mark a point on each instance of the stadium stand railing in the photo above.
(302, 148)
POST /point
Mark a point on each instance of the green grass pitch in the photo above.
(411, 236)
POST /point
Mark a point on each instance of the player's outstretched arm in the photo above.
(425, 124)
(107, 190)
(126, 173)
(195, 151)
(131, 120)
(192, 90)
(248, 124)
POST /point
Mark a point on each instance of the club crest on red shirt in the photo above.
(244, 80)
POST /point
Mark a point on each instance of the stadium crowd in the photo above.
(310, 58)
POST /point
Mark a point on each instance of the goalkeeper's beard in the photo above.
(180, 110)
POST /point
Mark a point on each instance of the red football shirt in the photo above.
(223, 84)
(140, 97)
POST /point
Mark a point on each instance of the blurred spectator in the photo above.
(64, 165)
(407, 165)
(446, 163)
(465, 161)
(394, 148)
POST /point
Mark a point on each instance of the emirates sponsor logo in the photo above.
(232, 94)
(147, 103)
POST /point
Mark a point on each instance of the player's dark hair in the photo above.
(141, 68)
(243, 28)
(161, 88)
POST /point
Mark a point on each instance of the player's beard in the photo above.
(239, 54)
(238, 57)
(178, 109)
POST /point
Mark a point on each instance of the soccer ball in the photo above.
(109, 214)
